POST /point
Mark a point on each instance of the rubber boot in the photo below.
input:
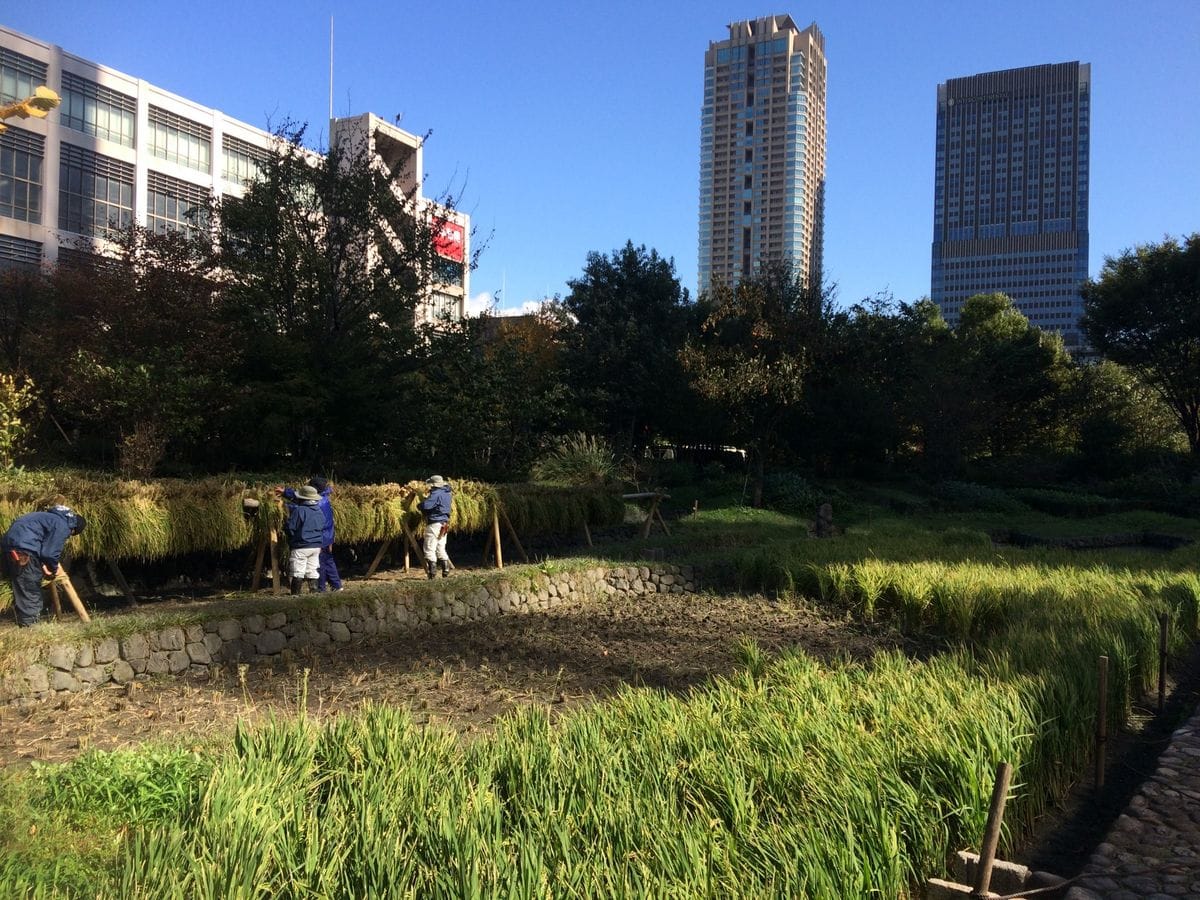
(295, 586)
(312, 585)
(444, 565)
(429, 564)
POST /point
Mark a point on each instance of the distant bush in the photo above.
(790, 493)
(579, 459)
(967, 496)
(1067, 503)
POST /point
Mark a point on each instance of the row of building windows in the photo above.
(19, 75)
(95, 192)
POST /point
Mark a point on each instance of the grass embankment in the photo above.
(790, 779)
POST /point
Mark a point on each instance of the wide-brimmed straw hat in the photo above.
(308, 493)
(436, 481)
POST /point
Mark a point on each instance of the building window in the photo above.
(21, 154)
(242, 162)
(93, 109)
(19, 75)
(447, 271)
(95, 193)
(18, 252)
(445, 307)
(174, 205)
(180, 140)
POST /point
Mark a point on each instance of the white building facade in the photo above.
(119, 150)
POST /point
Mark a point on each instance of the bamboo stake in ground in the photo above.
(991, 832)
(1102, 723)
(587, 533)
(62, 578)
(122, 583)
(496, 538)
(411, 543)
(513, 534)
(260, 557)
(383, 549)
(55, 602)
(275, 581)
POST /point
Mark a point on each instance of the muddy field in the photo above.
(463, 676)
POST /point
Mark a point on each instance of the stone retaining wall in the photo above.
(369, 610)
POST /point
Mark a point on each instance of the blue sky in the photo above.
(568, 127)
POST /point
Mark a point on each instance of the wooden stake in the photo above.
(496, 538)
(275, 581)
(662, 521)
(122, 583)
(991, 832)
(412, 542)
(1163, 628)
(587, 533)
(650, 516)
(55, 601)
(1102, 723)
(513, 534)
(383, 549)
(65, 580)
(256, 581)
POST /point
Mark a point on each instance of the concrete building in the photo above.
(119, 150)
(762, 151)
(1011, 192)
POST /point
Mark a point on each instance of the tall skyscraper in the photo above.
(762, 151)
(1011, 192)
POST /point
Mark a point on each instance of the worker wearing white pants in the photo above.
(436, 509)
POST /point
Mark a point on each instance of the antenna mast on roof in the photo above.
(331, 68)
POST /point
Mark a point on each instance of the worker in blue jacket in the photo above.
(32, 547)
(304, 529)
(436, 509)
(327, 570)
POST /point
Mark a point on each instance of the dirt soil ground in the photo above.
(463, 676)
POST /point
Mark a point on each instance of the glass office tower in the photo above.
(1011, 193)
(762, 151)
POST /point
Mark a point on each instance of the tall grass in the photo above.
(790, 778)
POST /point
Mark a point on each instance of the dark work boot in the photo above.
(444, 565)
(295, 586)
(312, 585)
(429, 568)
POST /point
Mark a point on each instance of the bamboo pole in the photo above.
(1163, 629)
(69, 589)
(587, 533)
(55, 602)
(513, 534)
(1102, 723)
(412, 542)
(661, 520)
(487, 548)
(991, 832)
(275, 581)
(122, 583)
(650, 516)
(383, 549)
(496, 538)
(259, 558)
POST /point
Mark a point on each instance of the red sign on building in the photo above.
(449, 240)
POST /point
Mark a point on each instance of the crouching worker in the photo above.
(436, 509)
(305, 530)
(32, 547)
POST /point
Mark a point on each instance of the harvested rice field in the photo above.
(464, 676)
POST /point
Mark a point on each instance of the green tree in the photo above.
(753, 352)
(324, 263)
(624, 322)
(1144, 312)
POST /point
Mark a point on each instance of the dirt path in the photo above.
(463, 676)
